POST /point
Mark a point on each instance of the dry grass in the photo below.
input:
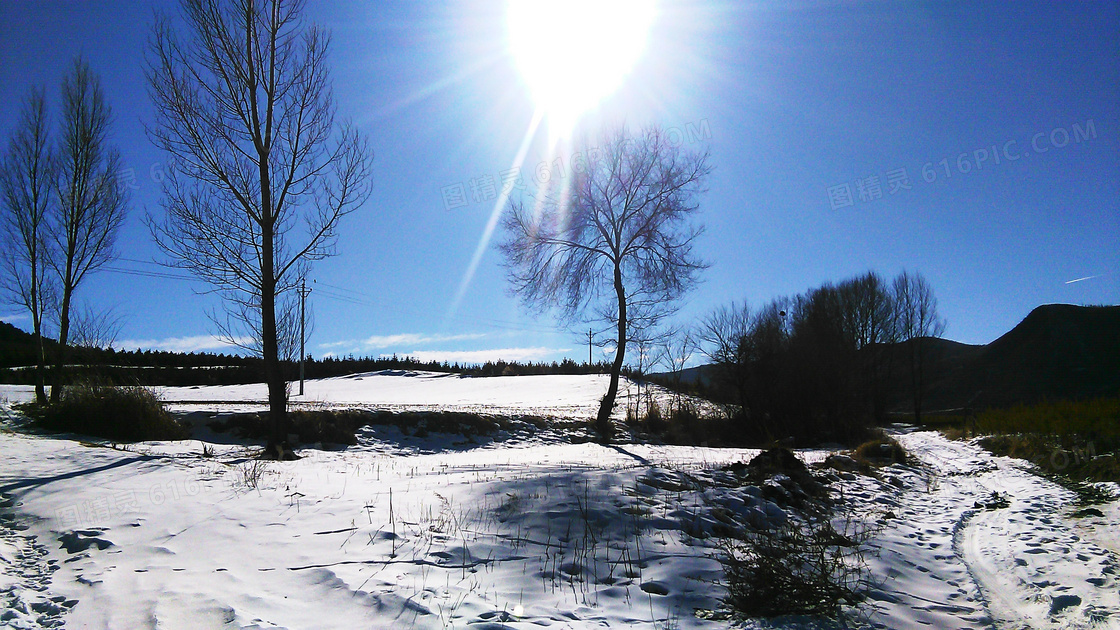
(1094, 420)
(124, 414)
(881, 450)
(1078, 440)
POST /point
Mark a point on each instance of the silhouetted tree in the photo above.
(613, 242)
(871, 322)
(676, 348)
(91, 199)
(723, 336)
(92, 328)
(813, 367)
(26, 175)
(918, 321)
(245, 108)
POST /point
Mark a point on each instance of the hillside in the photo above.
(18, 347)
(1057, 351)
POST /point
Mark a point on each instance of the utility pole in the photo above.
(588, 347)
(303, 292)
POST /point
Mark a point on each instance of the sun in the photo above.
(573, 53)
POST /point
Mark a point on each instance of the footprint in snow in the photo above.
(82, 539)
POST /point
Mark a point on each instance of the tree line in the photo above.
(154, 367)
(64, 205)
(825, 364)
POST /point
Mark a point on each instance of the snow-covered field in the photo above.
(400, 390)
(513, 534)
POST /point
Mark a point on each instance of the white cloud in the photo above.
(197, 343)
(12, 318)
(482, 356)
(380, 342)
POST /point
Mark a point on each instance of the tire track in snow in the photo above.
(1032, 568)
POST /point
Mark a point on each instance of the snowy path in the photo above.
(1023, 565)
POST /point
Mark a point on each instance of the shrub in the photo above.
(882, 450)
(1067, 458)
(340, 426)
(800, 568)
(123, 414)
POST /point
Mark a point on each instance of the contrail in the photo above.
(1082, 279)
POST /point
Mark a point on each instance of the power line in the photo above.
(141, 262)
(147, 274)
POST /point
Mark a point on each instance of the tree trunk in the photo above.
(41, 364)
(274, 377)
(603, 420)
(273, 374)
(63, 339)
(37, 323)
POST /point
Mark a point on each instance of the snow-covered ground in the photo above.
(564, 396)
(511, 535)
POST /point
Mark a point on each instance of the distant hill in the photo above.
(18, 347)
(1058, 351)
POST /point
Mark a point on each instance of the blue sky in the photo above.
(845, 136)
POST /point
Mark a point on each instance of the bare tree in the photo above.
(613, 242)
(92, 328)
(676, 349)
(870, 321)
(262, 174)
(91, 198)
(723, 336)
(25, 181)
(918, 321)
(722, 332)
(649, 345)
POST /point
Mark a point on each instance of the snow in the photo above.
(556, 395)
(565, 396)
(512, 534)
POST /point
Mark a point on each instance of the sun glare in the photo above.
(572, 53)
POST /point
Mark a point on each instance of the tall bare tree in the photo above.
(870, 322)
(918, 321)
(91, 199)
(262, 174)
(724, 335)
(613, 242)
(649, 346)
(25, 181)
(677, 346)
